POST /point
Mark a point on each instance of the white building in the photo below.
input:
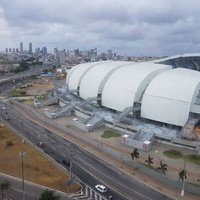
(164, 94)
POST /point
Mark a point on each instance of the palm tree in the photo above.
(135, 154)
(149, 160)
(163, 167)
(183, 175)
(48, 195)
(4, 186)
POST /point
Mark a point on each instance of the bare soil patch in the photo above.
(37, 168)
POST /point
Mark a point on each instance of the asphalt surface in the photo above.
(87, 167)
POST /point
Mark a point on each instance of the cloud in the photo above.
(129, 26)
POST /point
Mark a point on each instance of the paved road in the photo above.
(32, 190)
(90, 169)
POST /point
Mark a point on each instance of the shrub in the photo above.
(9, 143)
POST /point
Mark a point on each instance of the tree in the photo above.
(4, 186)
(149, 160)
(163, 167)
(48, 195)
(135, 154)
(183, 174)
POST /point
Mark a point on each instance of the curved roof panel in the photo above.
(94, 77)
(126, 85)
(169, 96)
(76, 73)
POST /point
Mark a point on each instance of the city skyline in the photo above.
(152, 28)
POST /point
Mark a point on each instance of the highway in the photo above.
(87, 167)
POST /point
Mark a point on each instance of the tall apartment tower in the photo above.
(30, 48)
(21, 47)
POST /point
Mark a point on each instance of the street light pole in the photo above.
(22, 154)
(183, 186)
(70, 160)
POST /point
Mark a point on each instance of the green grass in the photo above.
(173, 154)
(193, 158)
(17, 93)
(109, 134)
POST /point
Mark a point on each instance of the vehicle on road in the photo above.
(41, 144)
(3, 108)
(101, 188)
(7, 117)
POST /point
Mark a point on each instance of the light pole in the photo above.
(22, 154)
(183, 186)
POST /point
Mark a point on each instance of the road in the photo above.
(32, 190)
(86, 166)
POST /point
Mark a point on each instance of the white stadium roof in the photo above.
(95, 77)
(170, 95)
(125, 85)
(166, 95)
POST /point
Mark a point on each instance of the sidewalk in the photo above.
(115, 144)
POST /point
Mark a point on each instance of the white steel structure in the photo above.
(97, 76)
(171, 96)
(166, 95)
(127, 84)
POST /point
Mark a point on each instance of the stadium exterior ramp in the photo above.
(171, 96)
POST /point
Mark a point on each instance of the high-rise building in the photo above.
(30, 48)
(62, 56)
(37, 51)
(110, 54)
(56, 55)
(21, 47)
(44, 51)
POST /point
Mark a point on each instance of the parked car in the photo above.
(101, 188)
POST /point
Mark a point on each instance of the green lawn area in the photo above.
(174, 154)
(17, 93)
(109, 134)
(193, 158)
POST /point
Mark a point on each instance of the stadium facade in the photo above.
(146, 101)
(159, 92)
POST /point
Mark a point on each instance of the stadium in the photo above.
(146, 101)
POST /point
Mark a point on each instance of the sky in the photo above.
(128, 27)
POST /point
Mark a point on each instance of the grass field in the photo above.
(193, 158)
(173, 154)
(109, 134)
(37, 168)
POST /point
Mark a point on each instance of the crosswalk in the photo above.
(87, 194)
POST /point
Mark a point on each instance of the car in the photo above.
(7, 117)
(101, 188)
(3, 108)
(41, 144)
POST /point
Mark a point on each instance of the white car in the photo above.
(101, 188)
(7, 117)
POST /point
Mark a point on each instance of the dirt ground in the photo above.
(37, 168)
